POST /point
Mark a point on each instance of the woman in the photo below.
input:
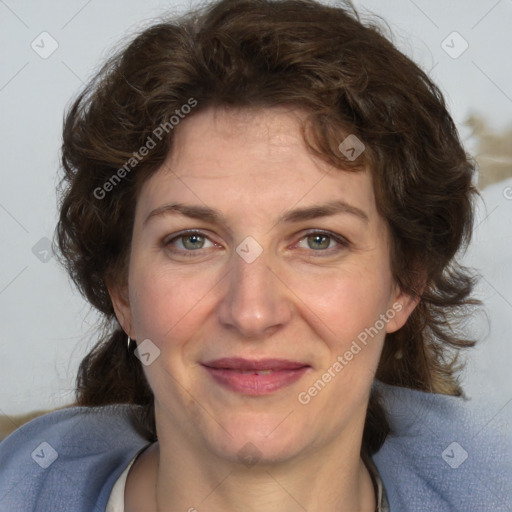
(265, 199)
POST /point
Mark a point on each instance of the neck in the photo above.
(274, 490)
(158, 483)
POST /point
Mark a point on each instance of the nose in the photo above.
(255, 302)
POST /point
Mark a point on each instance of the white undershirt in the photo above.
(116, 500)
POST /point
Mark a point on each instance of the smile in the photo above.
(255, 377)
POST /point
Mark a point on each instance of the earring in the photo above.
(128, 343)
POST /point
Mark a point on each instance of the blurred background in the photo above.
(48, 50)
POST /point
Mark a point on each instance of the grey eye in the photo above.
(192, 242)
(318, 241)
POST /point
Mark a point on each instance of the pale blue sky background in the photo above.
(45, 327)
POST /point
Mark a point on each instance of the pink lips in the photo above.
(255, 377)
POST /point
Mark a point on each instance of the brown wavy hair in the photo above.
(350, 79)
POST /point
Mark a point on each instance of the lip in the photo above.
(241, 375)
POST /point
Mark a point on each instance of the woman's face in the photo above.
(261, 278)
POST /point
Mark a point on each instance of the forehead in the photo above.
(255, 159)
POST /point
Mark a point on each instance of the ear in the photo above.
(120, 301)
(403, 305)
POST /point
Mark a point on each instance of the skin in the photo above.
(302, 299)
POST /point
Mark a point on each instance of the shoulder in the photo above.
(67, 460)
(444, 452)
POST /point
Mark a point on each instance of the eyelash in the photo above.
(342, 242)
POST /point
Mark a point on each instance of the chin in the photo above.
(261, 439)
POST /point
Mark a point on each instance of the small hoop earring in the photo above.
(128, 343)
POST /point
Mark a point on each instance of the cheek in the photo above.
(343, 304)
(164, 301)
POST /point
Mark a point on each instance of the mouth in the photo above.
(255, 377)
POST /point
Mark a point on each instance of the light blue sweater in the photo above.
(442, 455)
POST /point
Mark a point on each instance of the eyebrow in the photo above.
(214, 216)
